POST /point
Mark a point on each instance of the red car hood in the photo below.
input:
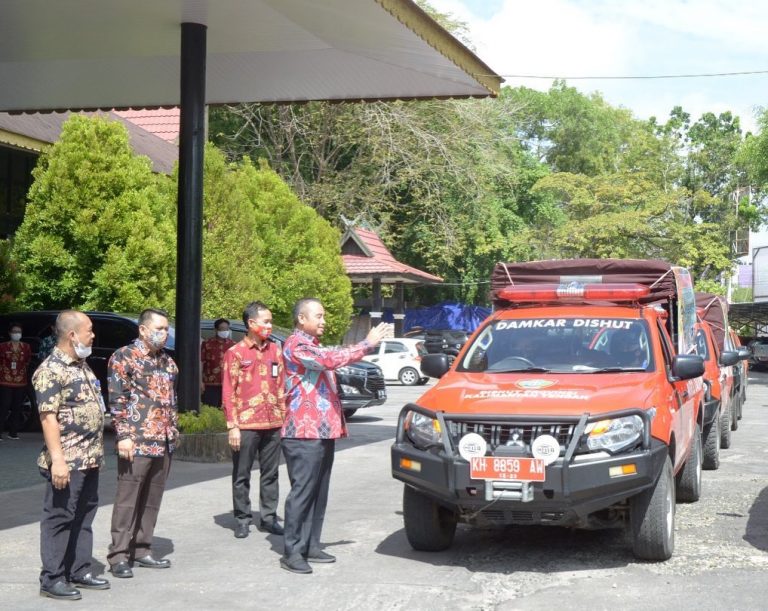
(539, 394)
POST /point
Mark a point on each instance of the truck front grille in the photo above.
(515, 436)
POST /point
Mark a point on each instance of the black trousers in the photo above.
(11, 398)
(140, 487)
(309, 463)
(66, 534)
(264, 445)
(212, 395)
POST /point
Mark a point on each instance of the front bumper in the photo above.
(573, 488)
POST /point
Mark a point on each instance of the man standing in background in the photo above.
(212, 356)
(14, 361)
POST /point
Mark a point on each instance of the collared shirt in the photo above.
(253, 389)
(314, 408)
(14, 359)
(142, 398)
(68, 388)
(212, 353)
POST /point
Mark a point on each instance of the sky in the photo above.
(570, 38)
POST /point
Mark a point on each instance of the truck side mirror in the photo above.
(729, 357)
(744, 353)
(687, 366)
(435, 365)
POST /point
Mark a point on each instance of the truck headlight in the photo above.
(423, 431)
(349, 390)
(615, 434)
(346, 371)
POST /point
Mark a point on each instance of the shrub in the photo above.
(208, 420)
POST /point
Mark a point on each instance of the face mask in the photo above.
(224, 334)
(15, 337)
(82, 351)
(156, 339)
(263, 331)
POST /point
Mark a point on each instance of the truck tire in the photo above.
(689, 477)
(735, 409)
(711, 459)
(429, 527)
(408, 376)
(725, 428)
(652, 518)
(348, 413)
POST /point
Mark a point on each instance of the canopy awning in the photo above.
(86, 54)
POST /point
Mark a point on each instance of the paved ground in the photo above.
(720, 561)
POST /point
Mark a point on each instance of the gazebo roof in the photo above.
(365, 258)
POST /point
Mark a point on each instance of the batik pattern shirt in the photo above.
(314, 408)
(14, 360)
(253, 392)
(142, 398)
(68, 388)
(46, 346)
(212, 353)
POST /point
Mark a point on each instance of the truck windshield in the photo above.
(563, 345)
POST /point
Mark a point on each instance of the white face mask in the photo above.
(224, 334)
(82, 351)
(15, 337)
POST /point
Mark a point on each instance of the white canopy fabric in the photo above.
(87, 54)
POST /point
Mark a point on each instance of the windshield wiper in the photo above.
(522, 370)
(616, 369)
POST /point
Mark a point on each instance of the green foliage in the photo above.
(207, 420)
(97, 232)
(10, 283)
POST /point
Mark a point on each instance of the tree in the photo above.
(97, 232)
(10, 283)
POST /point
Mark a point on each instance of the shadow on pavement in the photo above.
(514, 549)
(757, 525)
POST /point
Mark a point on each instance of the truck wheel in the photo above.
(348, 413)
(735, 409)
(711, 459)
(408, 376)
(428, 526)
(741, 406)
(689, 478)
(725, 428)
(652, 518)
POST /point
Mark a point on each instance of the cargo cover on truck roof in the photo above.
(715, 312)
(658, 275)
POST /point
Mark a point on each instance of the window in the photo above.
(391, 347)
(113, 333)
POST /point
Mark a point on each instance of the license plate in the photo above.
(505, 468)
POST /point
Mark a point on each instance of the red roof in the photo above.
(366, 257)
(162, 122)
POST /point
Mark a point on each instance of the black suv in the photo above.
(445, 341)
(360, 384)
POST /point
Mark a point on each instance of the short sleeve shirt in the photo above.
(68, 388)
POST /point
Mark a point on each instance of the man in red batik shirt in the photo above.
(254, 404)
(212, 356)
(14, 360)
(313, 423)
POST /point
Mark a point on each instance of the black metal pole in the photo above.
(189, 249)
(399, 308)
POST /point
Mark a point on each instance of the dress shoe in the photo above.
(121, 570)
(89, 582)
(62, 591)
(295, 564)
(320, 556)
(271, 527)
(150, 563)
(241, 531)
